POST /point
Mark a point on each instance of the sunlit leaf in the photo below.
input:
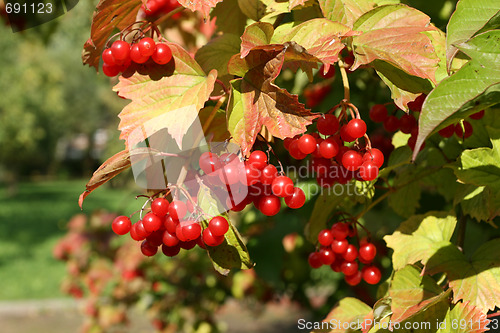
(348, 310)
(202, 6)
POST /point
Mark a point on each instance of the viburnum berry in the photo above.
(188, 245)
(407, 123)
(307, 144)
(367, 252)
(356, 128)
(344, 134)
(110, 71)
(340, 230)
(351, 160)
(137, 231)
(327, 124)
(448, 131)
(210, 240)
(391, 124)
(121, 51)
(282, 186)
(269, 173)
(336, 265)
(191, 230)
(475, 116)
(170, 239)
(354, 279)
(466, 132)
(349, 267)
(269, 205)
(297, 199)
(325, 237)
(378, 113)
(326, 255)
(287, 142)
(314, 260)
(374, 155)
(147, 46)
(151, 222)
(209, 162)
(258, 159)
(295, 151)
(371, 274)
(170, 224)
(339, 245)
(218, 226)
(107, 57)
(416, 105)
(155, 238)
(170, 251)
(250, 176)
(159, 207)
(136, 55)
(121, 225)
(351, 253)
(229, 174)
(329, 148)
(162, 54)
(148, 249)
(177, 209)
(368, 171)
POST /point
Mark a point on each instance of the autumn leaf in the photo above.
(256, 101)
(183, 91)
(109, 15)
(394, 33)
(256, 34)
(348, 310)
(475, 319)
(345, 11)
(296, 3)
(203, 6)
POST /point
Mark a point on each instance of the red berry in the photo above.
(461, 133)
(137, 231)
(356, 128)
(344, 134)
(188, 245)
(294, 150)
(136, 56)
(147, 46)
(354, 279)
(326, 255)
(336, 265)
(350, 254)
(416, 105)
(339, 246)
(218, 226)
(391, 124)
(282, 186)
(329, 74)
(148, 249)
(170, 224)
(151, 222)
(159, 207)
(407, 123)
(229, 174)
(325, 237)
(352, 160)
(209, 162)
(170, 239)
(107, 57)
(177, 209)
(121, 51)
(340, 230)
(191, 230)
(156, 238)
(374, 155)
(121, 225)
(269, 173)
(476, 116)
(210, 240)
(378, 113)
(307, 144)
(269, 205)
(329, 148)
(297, 199)
(170, 251)
(368, 171)
(448, 131)
(258, 159)
(367, 252)
(111, 71)
(328, 124)
(162, 54)
(371, 274)
(349, 267)
(250, 176)
(315, 260)
(287, 142)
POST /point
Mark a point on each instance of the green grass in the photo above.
(31, 223)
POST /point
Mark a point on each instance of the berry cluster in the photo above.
(255, 181)
(341, 256)
(121, 54)
(332, 160)
(154, 8)
(165, 225)
(465, 132)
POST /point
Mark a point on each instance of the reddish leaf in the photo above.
(348, 311)
(472, 316)
(345, 11)
(394, 33)
(296, 3)
(109, 14)
(161, 92)
(256, 101)
(257, 34)
(203, 6)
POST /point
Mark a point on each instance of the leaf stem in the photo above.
(462, 226)
(345, 80)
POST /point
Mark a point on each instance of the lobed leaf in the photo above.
(203, 6)
(345, 11)
(257, 34)
(348, 310)
(470, 319)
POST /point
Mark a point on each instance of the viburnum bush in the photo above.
(206, 113)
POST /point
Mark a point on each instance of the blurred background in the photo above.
(62, 268)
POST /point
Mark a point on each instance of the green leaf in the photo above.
(345, 11)
(109, 15)
(217, 131)
(256, 34)
(348, 310)
(232, 253)
(261, 9)
(469, 17)
(162, 93)
(230, 18)
(412, 293)
(406, 200)
(394, 33)
(447, 102)
(475, 280)
(420, 237)
(479, 202)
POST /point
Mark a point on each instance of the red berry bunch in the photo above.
(341, 256)
(166, 225)
(332, 160)
(154, 8)
(465, 132)
(117, 58)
